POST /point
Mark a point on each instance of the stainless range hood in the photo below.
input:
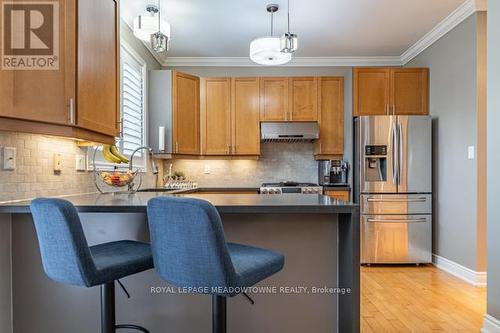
(289, 132)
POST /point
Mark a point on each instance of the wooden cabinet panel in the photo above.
(340, 195)
(97, 85)
(41, 95)
(273, 98)
(186, 113)
(303, 99)
(371, 91)
(216, 115)
(245, 115)
(410, 91)
(331, 120)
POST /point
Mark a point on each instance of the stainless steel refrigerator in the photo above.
(393, 185)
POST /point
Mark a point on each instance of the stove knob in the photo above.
(264, 191)
(307, 191)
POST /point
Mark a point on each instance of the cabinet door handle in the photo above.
(71, 111)
(320, 147)
(234, 149)
(387, 107)
(393, 109)
(177, 147)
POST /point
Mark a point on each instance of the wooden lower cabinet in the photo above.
(331, 118)
(340, 195)
(245, 116)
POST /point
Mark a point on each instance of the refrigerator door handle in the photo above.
(401, 153)
(397, 220)
(394, 152)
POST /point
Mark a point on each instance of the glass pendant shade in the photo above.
(147, 25)
(267, 51)
(289, 43)
(159, 42)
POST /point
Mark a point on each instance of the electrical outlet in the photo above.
(80, 163)
(207, 169)
(58, 161)
(471, 152)
(9, 158)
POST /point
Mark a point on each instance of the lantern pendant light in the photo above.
(289, 41)
(159, 41)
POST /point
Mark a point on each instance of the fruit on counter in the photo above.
(114, 150)
(117, 178)
(111, 154)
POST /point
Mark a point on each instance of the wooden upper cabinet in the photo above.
(371, 91)
(98, 48)
(410, 91)
(274, 99)
(80, 99)
(331, 117)
(216, 116)
(385, 91)
(303, 96)
(186, 113)
(43, 95)
(245, 116)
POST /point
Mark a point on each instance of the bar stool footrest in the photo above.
(131, 327)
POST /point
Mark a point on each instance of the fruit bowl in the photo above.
(117, 178)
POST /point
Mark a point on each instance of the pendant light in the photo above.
(289, 41)
(267, 50)
(146, 25)
(159, 40)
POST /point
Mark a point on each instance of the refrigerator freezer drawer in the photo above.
(402, 204)
(396, 239)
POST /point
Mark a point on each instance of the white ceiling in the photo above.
(326, 28)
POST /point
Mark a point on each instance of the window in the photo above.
(133, 111)
(133, 105)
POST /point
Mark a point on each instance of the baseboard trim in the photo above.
(490, 325)
(477, 279)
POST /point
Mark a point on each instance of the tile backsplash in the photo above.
(278, 162)
(34, 175)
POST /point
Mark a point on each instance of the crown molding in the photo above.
(296, 62)
(465, 10)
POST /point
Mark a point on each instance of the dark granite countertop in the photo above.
(225, 203)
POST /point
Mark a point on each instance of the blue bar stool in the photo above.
(67, 258)
(189, 250)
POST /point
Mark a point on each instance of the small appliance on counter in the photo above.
(289, 187)
(333, 173)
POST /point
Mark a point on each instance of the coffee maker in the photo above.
(333, 172)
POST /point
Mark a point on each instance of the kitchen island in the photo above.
(318, 289)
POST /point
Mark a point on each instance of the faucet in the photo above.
(154, 169)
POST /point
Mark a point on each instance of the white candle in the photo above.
(161, 138)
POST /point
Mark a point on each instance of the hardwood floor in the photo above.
(418, 299)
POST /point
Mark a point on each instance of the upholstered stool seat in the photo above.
(190, 250)
(67, 258)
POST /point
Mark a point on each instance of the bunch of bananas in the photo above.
(111, 154)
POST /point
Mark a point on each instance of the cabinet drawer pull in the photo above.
(397, 200)
(398, 220)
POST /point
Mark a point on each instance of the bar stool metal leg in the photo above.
(108, 308)
(219, 314)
